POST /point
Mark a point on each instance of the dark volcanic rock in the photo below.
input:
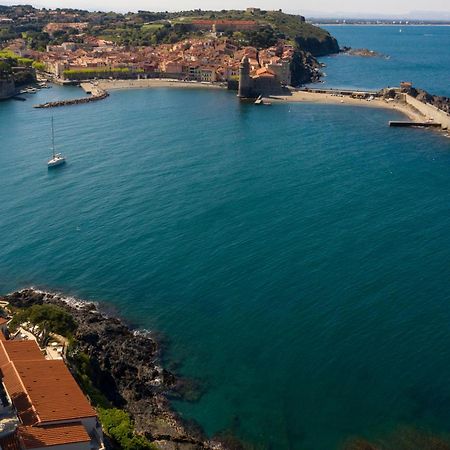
(125, 368)
(363, 52)
(304, 68)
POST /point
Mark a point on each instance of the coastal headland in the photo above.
(119, 367)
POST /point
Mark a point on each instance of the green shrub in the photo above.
(49, 319)
(81, 363)
(38, 65)
(118, 425)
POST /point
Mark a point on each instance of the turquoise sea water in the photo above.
(295, 257)
(417, 54)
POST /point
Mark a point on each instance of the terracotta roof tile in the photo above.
(53, 391)
(38, 437)
(19, 351)
(18, 395)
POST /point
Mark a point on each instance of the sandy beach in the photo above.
(317, 97)
(296, 95)
(154, 83)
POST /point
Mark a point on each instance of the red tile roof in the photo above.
(19, 351)
(3, 321)
(17, 393)
(53, 391)
(41, 390)
(38, 437)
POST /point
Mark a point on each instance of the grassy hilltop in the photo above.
(151, 28)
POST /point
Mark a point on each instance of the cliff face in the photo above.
(318, 46)
(311, 42)
(7, 89)
(304, 68)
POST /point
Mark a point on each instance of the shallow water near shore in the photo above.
(296, 257)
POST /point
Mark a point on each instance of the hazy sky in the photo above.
(324, 7)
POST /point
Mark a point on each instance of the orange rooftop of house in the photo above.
(49, 406)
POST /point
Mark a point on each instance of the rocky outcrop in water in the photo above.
(99, 94)
(125, 368)
(363, 52)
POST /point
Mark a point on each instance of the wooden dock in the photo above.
(407, 123)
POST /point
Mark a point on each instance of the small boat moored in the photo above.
(57, 159)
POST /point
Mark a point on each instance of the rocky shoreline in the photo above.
(98, 94)
(363, 52)
(125, 367)
(439, 101)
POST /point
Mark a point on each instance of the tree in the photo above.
(118, 425)
(49, 319)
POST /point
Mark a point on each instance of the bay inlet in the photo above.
(294, 257)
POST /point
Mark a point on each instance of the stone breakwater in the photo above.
(98, 94)
(126, 369)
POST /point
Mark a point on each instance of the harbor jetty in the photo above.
(421, 113)
(407, 123)
(96, 95)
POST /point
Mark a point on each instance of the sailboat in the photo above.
(57, 158)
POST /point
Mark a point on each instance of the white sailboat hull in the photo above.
(57, 160)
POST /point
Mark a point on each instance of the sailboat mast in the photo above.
(53, 140)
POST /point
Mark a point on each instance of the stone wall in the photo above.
(429, 111)
(7, 89)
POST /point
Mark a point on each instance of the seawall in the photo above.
(7, 89)
(429, 111)
(97, 94)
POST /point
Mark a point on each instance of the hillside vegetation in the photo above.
(146, 28)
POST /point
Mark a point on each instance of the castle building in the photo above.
(245, 84)
(262, 81)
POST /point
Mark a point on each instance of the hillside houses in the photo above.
(203, 59)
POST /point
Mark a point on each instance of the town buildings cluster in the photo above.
(41, 405)
(206, 59)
